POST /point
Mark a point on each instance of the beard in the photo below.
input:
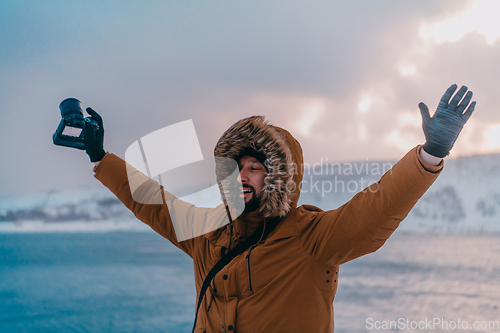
(254, 203)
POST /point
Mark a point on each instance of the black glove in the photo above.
(442, 130)
(94, 139)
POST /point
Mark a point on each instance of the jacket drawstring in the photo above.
(250, 252)
(214, 290)
(230, 236)
(230, 224)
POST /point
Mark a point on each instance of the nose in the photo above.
(242, 177)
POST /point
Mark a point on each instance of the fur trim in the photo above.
(256, 133)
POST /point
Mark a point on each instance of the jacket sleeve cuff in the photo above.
(426, 166)
(417, 172)
(97, 167)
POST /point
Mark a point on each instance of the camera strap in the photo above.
(257, 236)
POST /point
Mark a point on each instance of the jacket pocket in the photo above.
(325, 277)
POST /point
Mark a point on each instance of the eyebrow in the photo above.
(253, 161)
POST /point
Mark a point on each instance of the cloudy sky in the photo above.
(345, 77)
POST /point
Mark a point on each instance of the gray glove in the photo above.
(442, 129)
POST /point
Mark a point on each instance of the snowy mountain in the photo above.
(80, 209)
(465, 198)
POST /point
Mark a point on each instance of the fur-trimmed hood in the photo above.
(283, 161)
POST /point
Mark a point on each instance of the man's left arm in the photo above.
(363, 224)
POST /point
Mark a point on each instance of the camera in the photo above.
(72, 128)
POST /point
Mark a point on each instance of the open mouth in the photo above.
(246, 192)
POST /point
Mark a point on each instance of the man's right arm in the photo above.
(148, 202)
(177, 220)
(173, 218)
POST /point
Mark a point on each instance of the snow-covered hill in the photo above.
(80, 209)
(465, 198)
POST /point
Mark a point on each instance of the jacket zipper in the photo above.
(248, 258)
(249, 271)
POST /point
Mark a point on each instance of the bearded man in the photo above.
(280, 262)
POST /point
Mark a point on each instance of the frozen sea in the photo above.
(138, 282)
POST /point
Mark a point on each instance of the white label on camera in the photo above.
(71, 131)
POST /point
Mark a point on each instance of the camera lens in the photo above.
(70, 105)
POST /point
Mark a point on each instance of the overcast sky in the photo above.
(344, 77)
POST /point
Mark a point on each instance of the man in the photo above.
(286, 281)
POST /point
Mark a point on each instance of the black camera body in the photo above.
(72, 128)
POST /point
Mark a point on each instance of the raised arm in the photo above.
(363, 224)
(174, 219)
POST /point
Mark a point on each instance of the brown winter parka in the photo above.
(288, 282)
